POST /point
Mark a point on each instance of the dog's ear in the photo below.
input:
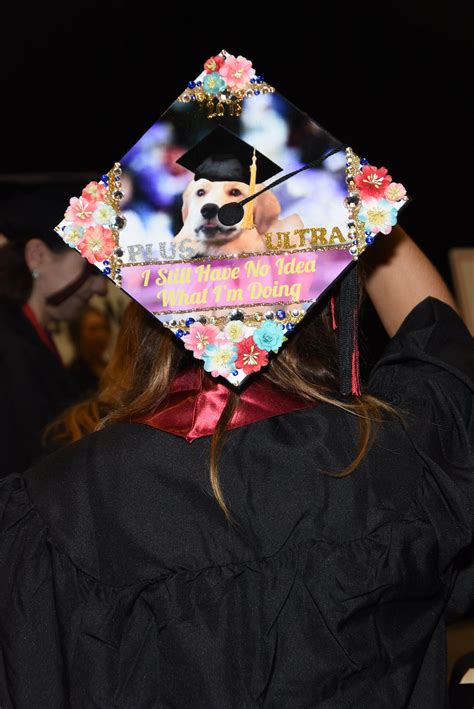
(185, 207)
(267, 208)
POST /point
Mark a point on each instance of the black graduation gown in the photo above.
(122, 586)
(34, 388)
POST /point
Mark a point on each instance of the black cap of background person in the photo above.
(32, 212)
(222, 156)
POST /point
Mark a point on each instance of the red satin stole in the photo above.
(196, 400)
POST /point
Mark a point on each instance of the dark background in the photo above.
(81, 83)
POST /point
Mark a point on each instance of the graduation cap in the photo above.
(232, 264)
(223, 156)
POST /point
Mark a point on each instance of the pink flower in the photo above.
(200, 336)
(250, 357)
(80, 211)
(395, 192)
(237, 71)
(214, 63)
(372, 182)
(95, 192)
(97, 244)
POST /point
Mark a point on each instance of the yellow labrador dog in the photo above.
(201, 202)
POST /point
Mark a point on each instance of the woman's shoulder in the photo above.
(86, 498)
(432, 343)
(97, 458)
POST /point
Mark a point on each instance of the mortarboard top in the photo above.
(221, 155)
(232, 288)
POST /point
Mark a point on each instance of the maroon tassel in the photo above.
(334, 324)
(348, 325)
(355, 356)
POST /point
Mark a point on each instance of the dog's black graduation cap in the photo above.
(222, 156)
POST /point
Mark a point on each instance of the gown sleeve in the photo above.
(30, 643)
(427, 372)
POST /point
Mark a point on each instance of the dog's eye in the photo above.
(235, 192)
(201, 192)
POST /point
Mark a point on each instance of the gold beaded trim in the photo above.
(216, 105)
(353, 203)
(230, 308)
(244, 254)
(114, 197)
(254, 318)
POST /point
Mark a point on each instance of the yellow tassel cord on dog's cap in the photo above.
(247, 222)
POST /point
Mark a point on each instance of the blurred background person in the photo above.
(41, 280)
(91, 334)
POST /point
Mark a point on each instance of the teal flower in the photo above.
(214, 83)
(219, 358)
(378, 215)
(73, 234)
(269, 336)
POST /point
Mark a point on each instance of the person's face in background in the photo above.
(94, 336)
(55, 271)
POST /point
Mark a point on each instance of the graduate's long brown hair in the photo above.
(147, 357)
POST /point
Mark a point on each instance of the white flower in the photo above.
(104, 214)
(235, 330)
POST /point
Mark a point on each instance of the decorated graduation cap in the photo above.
(231, 217)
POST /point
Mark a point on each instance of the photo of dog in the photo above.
(202, 200)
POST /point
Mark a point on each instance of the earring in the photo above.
(35, 273)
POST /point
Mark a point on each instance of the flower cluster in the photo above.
(227, 72)
(237, 346)
(380, 199)
(91, 220)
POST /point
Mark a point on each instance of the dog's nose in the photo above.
(209, 211)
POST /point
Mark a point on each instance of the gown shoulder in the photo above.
(427, 371)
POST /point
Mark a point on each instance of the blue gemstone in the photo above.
(193, 98)
(290, 326)
(189, 322)
(364, 161)
(235, 372)
(191, 84)
(369, 239)
(117, 178)
(368, 232)
(280, 314)
(256, 92)
(179, 333)
(117, 270)
(253, 81)
(198, 83)
(106, 263)
(107, 270)
(260, 78)
(105, 178)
